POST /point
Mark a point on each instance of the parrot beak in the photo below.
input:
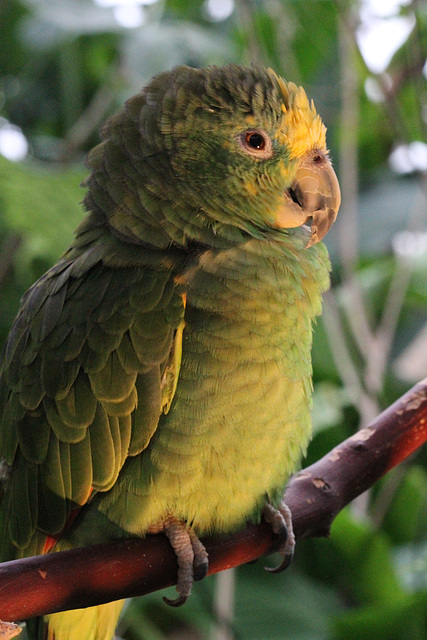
(314, 195)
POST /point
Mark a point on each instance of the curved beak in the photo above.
(314, 195)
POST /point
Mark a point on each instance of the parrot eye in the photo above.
(256, 142)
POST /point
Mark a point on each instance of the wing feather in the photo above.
(81, 470)
(62, 431)
(77, 409)
(80, 387)
(25, 495)
(52, 513)
(102, 449)
(31, 391)
(33, 434)
(112, 382)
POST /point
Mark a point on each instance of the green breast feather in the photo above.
(240, 416)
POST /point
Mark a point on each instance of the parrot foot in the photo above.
(281, 523)
(191, 556)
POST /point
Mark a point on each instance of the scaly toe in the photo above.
(191, 556)
(281, 523)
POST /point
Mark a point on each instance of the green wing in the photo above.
(87, 369)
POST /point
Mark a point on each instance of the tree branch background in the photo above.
(64, 67)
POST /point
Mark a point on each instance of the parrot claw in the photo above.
(200, 570)
(191, 556)
(284, 564)
(281, 523)
(177, 602)
(200, 560)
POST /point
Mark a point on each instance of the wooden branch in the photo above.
(133, 567)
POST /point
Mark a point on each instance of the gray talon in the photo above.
(191, 556)
(286, 561)
(281, 523)
(200, 570)
(177, 602)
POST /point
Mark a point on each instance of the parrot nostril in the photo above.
(318, 158)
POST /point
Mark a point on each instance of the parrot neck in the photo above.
(164, 224)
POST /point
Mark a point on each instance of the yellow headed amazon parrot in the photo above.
(158, 377)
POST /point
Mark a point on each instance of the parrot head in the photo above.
(227, 148)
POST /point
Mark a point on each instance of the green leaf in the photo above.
(404, 618)
(406, 518)
(366, 554)
(43, 206)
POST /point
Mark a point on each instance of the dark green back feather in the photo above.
(81, 385)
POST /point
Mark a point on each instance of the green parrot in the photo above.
(158, 377)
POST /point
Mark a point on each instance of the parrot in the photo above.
(158, 377)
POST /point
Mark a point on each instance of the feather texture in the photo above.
(70, 409)
(162, 367)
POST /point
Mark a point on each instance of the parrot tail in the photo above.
(93, 623)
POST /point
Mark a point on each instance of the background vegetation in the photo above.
(65, 66)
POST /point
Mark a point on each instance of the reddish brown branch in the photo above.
(93, 575)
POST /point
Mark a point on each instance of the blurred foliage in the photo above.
(64, 67)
